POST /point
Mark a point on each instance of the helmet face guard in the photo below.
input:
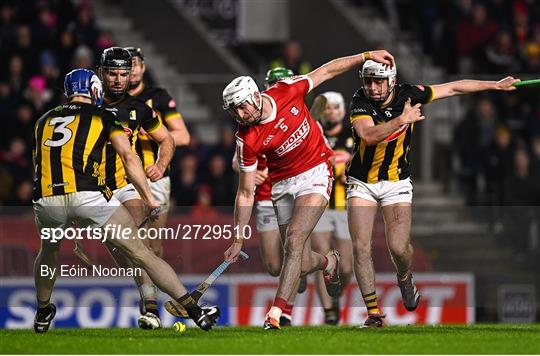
(115, 59)
(136, 55)
(373, 69)
(239, 91)
(85, 83)
(335, 99)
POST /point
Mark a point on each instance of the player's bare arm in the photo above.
(177, 129)
(468, 86)
(242, 211)
(260, 177)
(166, 151)
(341, 65)
(134, 169)
(373, 134)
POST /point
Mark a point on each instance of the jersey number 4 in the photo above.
(60, 129)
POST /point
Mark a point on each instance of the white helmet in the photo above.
(240, 90)
(333, 98)
(372, 69)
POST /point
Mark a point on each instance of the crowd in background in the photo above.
(41, 41)
(497, 143)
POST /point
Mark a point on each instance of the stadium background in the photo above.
(476, 159)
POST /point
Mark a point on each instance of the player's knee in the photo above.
(273, 270)
(400, 250)
(362, 249)
(139, 257)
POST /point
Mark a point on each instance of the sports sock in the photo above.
(370, 300)
(277, 308)
(287, 312)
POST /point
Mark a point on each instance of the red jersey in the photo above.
(264, 190)
(290, 139)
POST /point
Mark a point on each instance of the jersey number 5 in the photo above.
(61, 129)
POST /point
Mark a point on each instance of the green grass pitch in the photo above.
(477, 339)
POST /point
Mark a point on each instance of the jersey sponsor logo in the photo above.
(295, 139)
(133, 115)
(295, 111)
(267, 140)
(397, 133)
(358, 110)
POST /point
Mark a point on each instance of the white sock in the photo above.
(331, 262)
(275, 313)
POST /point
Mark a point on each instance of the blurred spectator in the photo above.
(498, 164)
(292, 59)
(83, 58)
(16, 161)
(221, 181)
(472, 35)
(7, 26)
(203, 207)
(501, 56)
(472, 137)
(226, 145)
(16, 76)
(49, 70)
(38, 94)
(43, 29)
(535, 158)
(23, 124)
(85, 30)
(184, 185)
(66, 48)
(25, 49)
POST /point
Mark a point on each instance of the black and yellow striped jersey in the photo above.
(133, 114)
(165, 108)
(388, 160)
(69, 142)
(342, 145)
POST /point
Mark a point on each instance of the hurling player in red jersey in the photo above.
(270, 245)
(277, 123)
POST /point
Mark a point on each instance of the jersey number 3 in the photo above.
(60, 129)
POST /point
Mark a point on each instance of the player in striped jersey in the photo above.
(331, 231)
(383, 115)
(115, 70)
(148, 150)
(69, 141)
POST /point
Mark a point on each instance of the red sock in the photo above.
(280, 303)
(288, 309)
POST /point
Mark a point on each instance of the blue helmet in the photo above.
(84, 82)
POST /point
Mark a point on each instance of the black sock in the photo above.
(151, 306)
(191, 306)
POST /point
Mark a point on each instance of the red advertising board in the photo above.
(446, 299)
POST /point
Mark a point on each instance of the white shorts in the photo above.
(334, 221)
(161, 190)
(127, 192)
(316, 180)
(385, 192)
(266, 216)
(85, 208)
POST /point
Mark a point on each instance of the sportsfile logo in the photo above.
(295, 139)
